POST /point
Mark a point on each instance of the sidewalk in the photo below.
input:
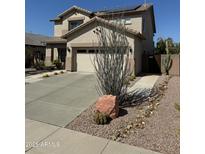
(50, 139)
(146, 82)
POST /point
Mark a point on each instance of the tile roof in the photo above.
(136, 8)
(70, 10)
(35, 39)
(120, 9)
(56, 40)
(103, 21)
(41, 40)
(133, 8)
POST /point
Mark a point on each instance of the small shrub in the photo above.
(55, 73)
(177, 106)
(178, 132)
(62, 72)
(127, 82)
(58, 64)
(40, 65)
(132, 78)
(45, 76)
(100, 118)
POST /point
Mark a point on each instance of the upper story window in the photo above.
(74, 24)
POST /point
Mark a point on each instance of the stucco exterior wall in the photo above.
(55, 53)
(136, 22)
(61, 27)
(87, 36)
(58, 27)
(138, 51)
(142, 23)
(148, 32)
(48, 57)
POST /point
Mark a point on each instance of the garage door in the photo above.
(85, 61)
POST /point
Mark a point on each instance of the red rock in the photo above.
(107, 104)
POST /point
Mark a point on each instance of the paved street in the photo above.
(59, 99)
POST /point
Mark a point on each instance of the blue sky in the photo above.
(39, 12)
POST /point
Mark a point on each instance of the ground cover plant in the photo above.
(46, 76)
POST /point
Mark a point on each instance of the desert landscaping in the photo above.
(152, 125)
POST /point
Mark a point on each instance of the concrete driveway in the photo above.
(59, 99)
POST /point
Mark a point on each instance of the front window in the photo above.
(74, 24)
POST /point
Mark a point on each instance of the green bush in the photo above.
(127, 82)
(55, 73)
(62, 72)
(100, 118)
(40, 65)
(132, 78)
(58, 64)
(45, 76)
(177, 106)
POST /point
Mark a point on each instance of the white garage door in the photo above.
(85, 62)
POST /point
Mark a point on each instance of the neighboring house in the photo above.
(75, 38)
(35, 49)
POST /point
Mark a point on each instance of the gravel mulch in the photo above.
(157, 131)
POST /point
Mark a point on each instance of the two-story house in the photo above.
(75, 40)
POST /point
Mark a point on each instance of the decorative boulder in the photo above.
(107, 104)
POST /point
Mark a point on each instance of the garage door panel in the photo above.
(85, 62)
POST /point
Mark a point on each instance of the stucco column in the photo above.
(55, 53)
(48, 56)
(74, 60)
(71, 59)
(138, 55)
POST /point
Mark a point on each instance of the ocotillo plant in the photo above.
(111, 62)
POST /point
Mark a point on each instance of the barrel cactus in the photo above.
(100, 118)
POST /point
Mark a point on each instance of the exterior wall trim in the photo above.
(76, 18)
(76, 45)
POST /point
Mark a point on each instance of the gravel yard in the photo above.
(158, 131)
